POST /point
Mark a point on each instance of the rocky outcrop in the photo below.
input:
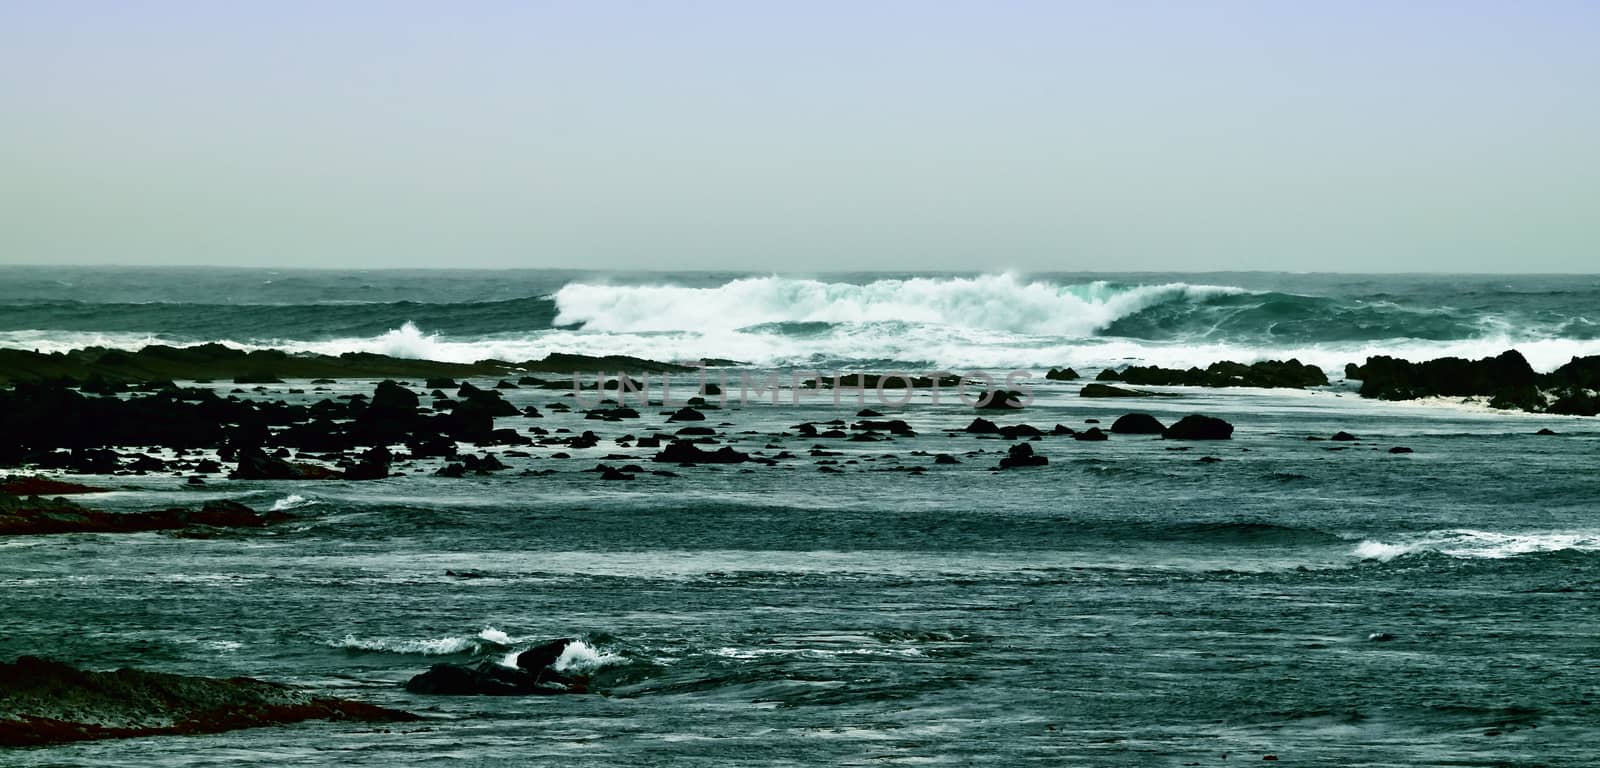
(34, 515)
(1506, 379)
(48, 702)
(1061, 374)
(1226, 373)
(537, 673)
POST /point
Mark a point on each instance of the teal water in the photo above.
(1128, 604)
(1125, 605)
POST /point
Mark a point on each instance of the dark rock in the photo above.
(543, 656)
(945, 458)
(1090, 434)
(685, 452)
(1226, 373)
(489, 678)
(686, 414)
(1343, 437)
(893, 427)
(145, 463)
(488, 462)
(1061, 374)
(867, 413)
(1574, 402)
(391, 398)
(1546, 431)
(695, 431)
(1400, 449)
(37, 516)
(1106, 390)
(1022, 455)
(47, 702)
(982, 426)
(256, 465)
(1507, 378)
(1197, 427)
(1020, 431)
(373, 466)
(1000, 400)
(1137, 424)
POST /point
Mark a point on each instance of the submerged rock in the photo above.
(33, 516)
(48, 702)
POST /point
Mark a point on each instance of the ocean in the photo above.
(1128, 604)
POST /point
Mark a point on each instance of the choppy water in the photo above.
(830, 320)
(1126, 605)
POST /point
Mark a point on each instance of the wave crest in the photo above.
(988, 302)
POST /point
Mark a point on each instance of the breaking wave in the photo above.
(989, 302)
(957, 323)
(1473, 544)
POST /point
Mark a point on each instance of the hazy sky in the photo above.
(1344, 135)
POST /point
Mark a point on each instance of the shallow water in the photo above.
(1127, 604)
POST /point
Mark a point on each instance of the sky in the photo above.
(1354, 135)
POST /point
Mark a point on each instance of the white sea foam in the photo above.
(292, 501)
(992, 302)
(489, 637)
(1474, 544)
(581, 658)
